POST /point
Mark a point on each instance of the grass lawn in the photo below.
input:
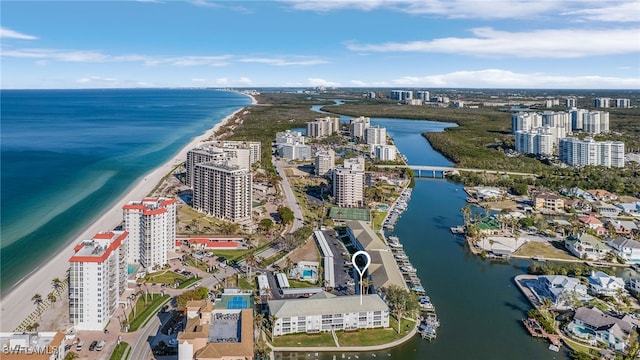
(145, 312)
(367, 337)
(577, 347)
(185, 284)
(377, 217)
(243, 284)
(162, 277)
(119, 351)
(231, 255)
(547, 251)
(299, 284)
(304, 340)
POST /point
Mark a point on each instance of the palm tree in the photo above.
(466, 214)
(57, 285)
(366, 285)
(52, 298)
(37, 300)
(71, 356)
(251, 260)
(257, 321)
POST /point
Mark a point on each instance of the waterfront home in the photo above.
(605, 209)
(626, 248)
(548, 201)
(216, 334)
(324, 312)
(633, 285)
(603, 195)
(576, 192)
(484, 193)
(561, 290)
(595, 326)
(586, 247)
(632, 208)
(623, 227)
(488, 225)
(604, 284)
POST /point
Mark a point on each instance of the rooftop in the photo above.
(326, 305)
(99, 248)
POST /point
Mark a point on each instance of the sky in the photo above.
(549, 44)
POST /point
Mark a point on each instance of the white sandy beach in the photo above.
(16, 304)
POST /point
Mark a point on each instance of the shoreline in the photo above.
(15, 301)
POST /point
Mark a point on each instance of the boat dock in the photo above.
(398, 207)
(457, 230)
(536, 330)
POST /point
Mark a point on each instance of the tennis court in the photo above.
(234, 302)
(338, 213)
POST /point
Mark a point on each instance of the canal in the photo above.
(476, 300)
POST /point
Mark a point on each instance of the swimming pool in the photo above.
(383, 207)
(307, 273)
(131, 269)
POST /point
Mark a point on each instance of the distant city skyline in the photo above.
(545, 44)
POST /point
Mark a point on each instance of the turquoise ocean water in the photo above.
(67, 155)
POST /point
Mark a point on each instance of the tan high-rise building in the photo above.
(151, 223)
(239, 153)
(323, 127)
(358, 127)
(348, 183)
(325, 161)
(222, 191)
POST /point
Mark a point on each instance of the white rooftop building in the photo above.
(41, 345)
(151, 223)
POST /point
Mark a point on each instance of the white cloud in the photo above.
(562, 43)
(11, 34)
(198, 80)
(358, 83)
(96, 80)
(496, 78)
(222, 81)
(616, 12)
(321, 82)
(283, 62)
(244, 81)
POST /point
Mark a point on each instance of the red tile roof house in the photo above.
(214, 243)
(594, 223)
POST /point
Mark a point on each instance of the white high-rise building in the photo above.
(348, 183)
(97, 278)
(223, 191)
(602, 102)
(576, 152)
(596, 122)
(151, 224)
(540, 141)
(376, 135)
(622, 103)
(525, 121)
(577, 118)
(384, 152)
(423, 95)
(571, 102)
(401, 95)
(559, 119)
(323, 127)
(289, 137)
(235, 153)
(358, 127)
(295, 151)
(325, 161)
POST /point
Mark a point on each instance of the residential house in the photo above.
(633, 285)
(578, 205)
(593, 223)
(586, 247)
(576, 192)
(488, 225)
(548, 201)
(605, 209)
(604, 284)
(595, 326)
(603, 195)
(562, 290)
(632, 208)
(628, 249)
(623, 227)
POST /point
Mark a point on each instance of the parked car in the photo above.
(80, 345)
(100, 345)
(93, 345)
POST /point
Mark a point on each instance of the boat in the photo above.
(553, 347)
(425, 303)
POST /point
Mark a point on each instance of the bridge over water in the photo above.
(434, 171)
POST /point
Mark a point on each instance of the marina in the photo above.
(396, 210)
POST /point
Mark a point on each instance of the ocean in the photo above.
(68, 155)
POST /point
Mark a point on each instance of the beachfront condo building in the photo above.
(235, 153)
(289, 137)
(348, 183)
(151, 223)
(223, 191)
(539, 141)
(325, 312)
(384, 152)
(576, 152)
(376, 135)
(295, 151)
(325, 162)
(323, 127)
(97, 278)
(358, 127)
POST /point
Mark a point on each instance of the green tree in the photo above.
(52, 298)
(401, 302)
(286, 215)
(37, 300)
(265, 225)
(56, 283)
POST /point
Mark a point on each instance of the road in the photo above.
(141, 349)
(289, 196)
